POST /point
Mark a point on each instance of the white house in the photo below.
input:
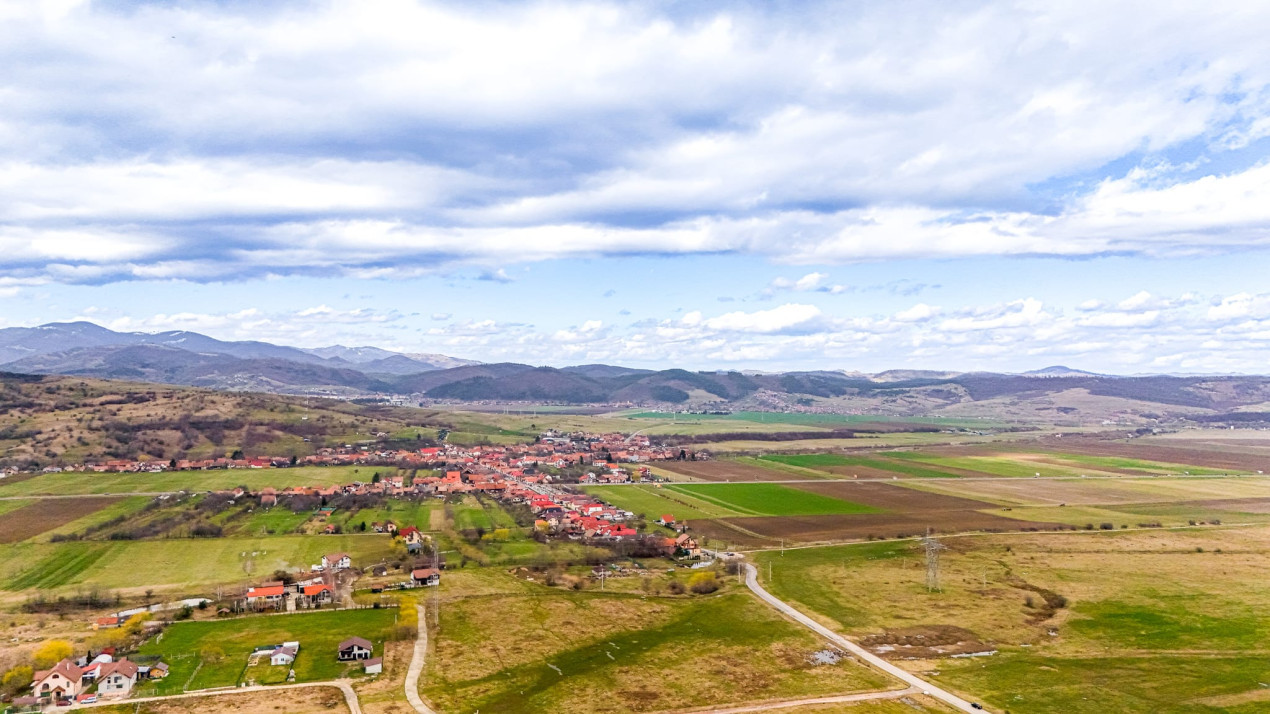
(354, 648)
(116, 679)
(282, 656)
(60, 682)
(374, 665)
(337, 561)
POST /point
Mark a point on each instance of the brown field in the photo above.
(1213, 455)
(912, 512)
(47, 514)
(891, 498)
(1086, 492)
(727, 471)
(304, 700)
(767, 530)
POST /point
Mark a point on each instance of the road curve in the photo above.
(350, 697)
(791, 703)
(751, 580)
(416, 666)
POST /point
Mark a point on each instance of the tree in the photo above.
(136, 623)
(294, 459)
(51, 652)
(237, 455)
(16, 679)
(375, 478)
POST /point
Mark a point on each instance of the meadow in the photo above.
(72, 483)
(614, 652)
(1164, 621)
(213, 653)
(179, 565)
(654, 502)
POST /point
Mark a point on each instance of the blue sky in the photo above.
(853, 186)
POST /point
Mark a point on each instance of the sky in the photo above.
(768, 186)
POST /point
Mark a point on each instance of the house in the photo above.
(282, 656)
(316, 594)
(354, 648)
(266, 595)
(59, 683)
(104, 623)
(425, 576)
(666, 520)
(374, 665)
(337, 561)
(687, 545)
(116, 679)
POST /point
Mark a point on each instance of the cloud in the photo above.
(231, 141)
(497, 276)
(780, 319)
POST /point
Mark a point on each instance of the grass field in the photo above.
(766, 499)
(1099, 491)
(121, 507)
(840, 464)
(655, 502)
(184, 565)
(1165, 621)
(607, 652)
(214, 653)
(94, 483)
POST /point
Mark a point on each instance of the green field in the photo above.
(1167, 621)
(839, 461)
(94, 483)
(766, 499)
(173, 564)
(215, 652)
(654, 502)
(1153, 467)
(826, 421)
(15, 504)
(562, 650)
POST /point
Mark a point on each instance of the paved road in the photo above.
(350, 697)
(791, 703)
(751, 579)
(416, 666)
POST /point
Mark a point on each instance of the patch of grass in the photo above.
(565, 649)
(95, 483)
(822, 461)
(222, 646)
(1029, 684)
(1170, 622)
(765, 499)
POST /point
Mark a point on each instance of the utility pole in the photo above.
(932, 547)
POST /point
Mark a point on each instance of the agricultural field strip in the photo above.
(40, 516)
(771, 499)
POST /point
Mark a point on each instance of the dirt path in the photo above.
(350, 697)
(416, 666)
(751, 580)
(791, 703)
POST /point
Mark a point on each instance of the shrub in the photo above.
(676, 587)
(703, 583)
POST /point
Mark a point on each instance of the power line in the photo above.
(932, 547)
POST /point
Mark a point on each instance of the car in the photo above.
(976, 705)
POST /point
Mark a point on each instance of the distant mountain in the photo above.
(188, 358)
(1060, 371)
(374, 359)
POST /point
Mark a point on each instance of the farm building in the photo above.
(425, 576)
(374, 665)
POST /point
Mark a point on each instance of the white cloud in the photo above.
(778, 319)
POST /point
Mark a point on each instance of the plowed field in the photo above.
(47, 514)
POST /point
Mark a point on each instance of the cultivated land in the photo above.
(215, 653)
(514, 647)
(1156, 621)
(36, 517)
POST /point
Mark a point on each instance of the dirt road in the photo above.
(416, 666)
(751, 580)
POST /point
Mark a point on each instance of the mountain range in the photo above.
(188, 358)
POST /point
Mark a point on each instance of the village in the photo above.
(535, 480)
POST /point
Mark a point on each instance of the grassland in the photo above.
(214, 653)
(1164, 621)
(70, 483)
(184, 565)
(654, 502)
(608, 652)
(840, 464)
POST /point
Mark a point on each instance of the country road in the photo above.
(350, 697)
(751, 580)
(416, 666)
(791, 703)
